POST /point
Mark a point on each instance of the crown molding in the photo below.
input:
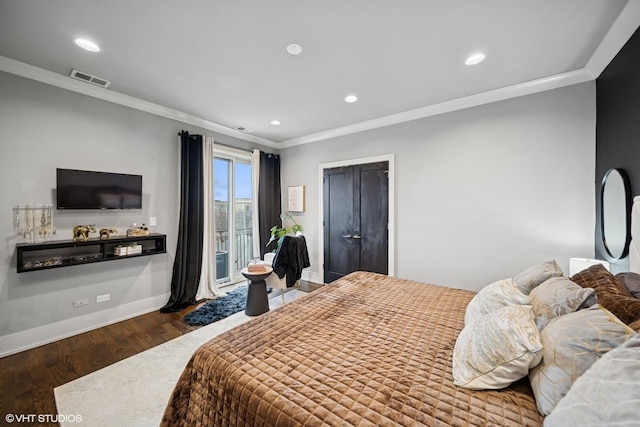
(513, 91)
(619, 33)
(54, 79)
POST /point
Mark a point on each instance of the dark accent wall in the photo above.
(618, 127)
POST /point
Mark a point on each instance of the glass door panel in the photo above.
(243, 208)
(233, 207)
(221, 177)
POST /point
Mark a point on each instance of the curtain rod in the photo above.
(225, 145)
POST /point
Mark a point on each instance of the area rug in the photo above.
(218, 308)
(135, 391)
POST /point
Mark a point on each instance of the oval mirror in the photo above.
(614, 210)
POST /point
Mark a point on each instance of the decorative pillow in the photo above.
(493, 297)
(558, 296)
(630, 281)
(572, 343)
(607, 394)
(611, 294)
(534, 275)
(497, 349)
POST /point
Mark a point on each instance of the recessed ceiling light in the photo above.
(350, 99)
(87, 45)
(476, 58)
(294, 49)
(275, 122)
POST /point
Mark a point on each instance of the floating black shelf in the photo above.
(64, 253)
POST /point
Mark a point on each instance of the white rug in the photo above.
(135, 391)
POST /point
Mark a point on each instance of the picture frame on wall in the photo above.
(295, 198)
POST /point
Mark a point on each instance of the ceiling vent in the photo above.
(244, 129)
(98, 81)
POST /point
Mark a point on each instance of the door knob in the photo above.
(346, 236)
(355, 236)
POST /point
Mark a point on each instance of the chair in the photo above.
(288, 261)
(273, 281)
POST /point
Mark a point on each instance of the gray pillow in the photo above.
(534, 275)
(607, 394)
(631, 281)
(571, 344)
(558, 296)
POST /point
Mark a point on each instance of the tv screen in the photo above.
(78, 189)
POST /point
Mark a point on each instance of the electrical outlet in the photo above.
(80, 302)
(103, 298)
(153, 221)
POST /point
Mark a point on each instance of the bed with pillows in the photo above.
(553, 333)
(376, 350)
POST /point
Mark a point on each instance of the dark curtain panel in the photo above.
(188, 262)
(269, 199)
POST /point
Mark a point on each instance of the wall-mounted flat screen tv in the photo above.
(78, 189)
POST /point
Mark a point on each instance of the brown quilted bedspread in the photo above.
(367, 350)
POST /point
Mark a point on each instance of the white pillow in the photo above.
(494, 297)
(572, 343)
(497, 349)
(607, 394)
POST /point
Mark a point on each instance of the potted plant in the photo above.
(278, 233)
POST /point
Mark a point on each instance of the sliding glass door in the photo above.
(233, 207)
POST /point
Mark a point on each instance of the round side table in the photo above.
(257, 300)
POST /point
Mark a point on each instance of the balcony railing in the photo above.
(243, 243)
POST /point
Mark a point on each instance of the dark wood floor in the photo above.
(27, 379)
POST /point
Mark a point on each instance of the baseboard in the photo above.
(35, 337)
(313, 276)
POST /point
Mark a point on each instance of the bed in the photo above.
(373, 350)
(366, 350)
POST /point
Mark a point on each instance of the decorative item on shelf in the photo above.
(105, 233)
(138, 230)
(277, 233)
(133, 249)
(34, 222)
(81, 232)
(85, 257)
(42, 262)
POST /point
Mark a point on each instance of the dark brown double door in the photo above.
(356, 216)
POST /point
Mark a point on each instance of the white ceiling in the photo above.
(223, 64)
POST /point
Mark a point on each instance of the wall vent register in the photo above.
(86, 77)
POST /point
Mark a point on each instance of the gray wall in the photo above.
(481, 193)
(44, 127)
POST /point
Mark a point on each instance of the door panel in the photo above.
(374, 219)
(355, 220)
(338, 217)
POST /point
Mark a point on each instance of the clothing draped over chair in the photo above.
(291, 258)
